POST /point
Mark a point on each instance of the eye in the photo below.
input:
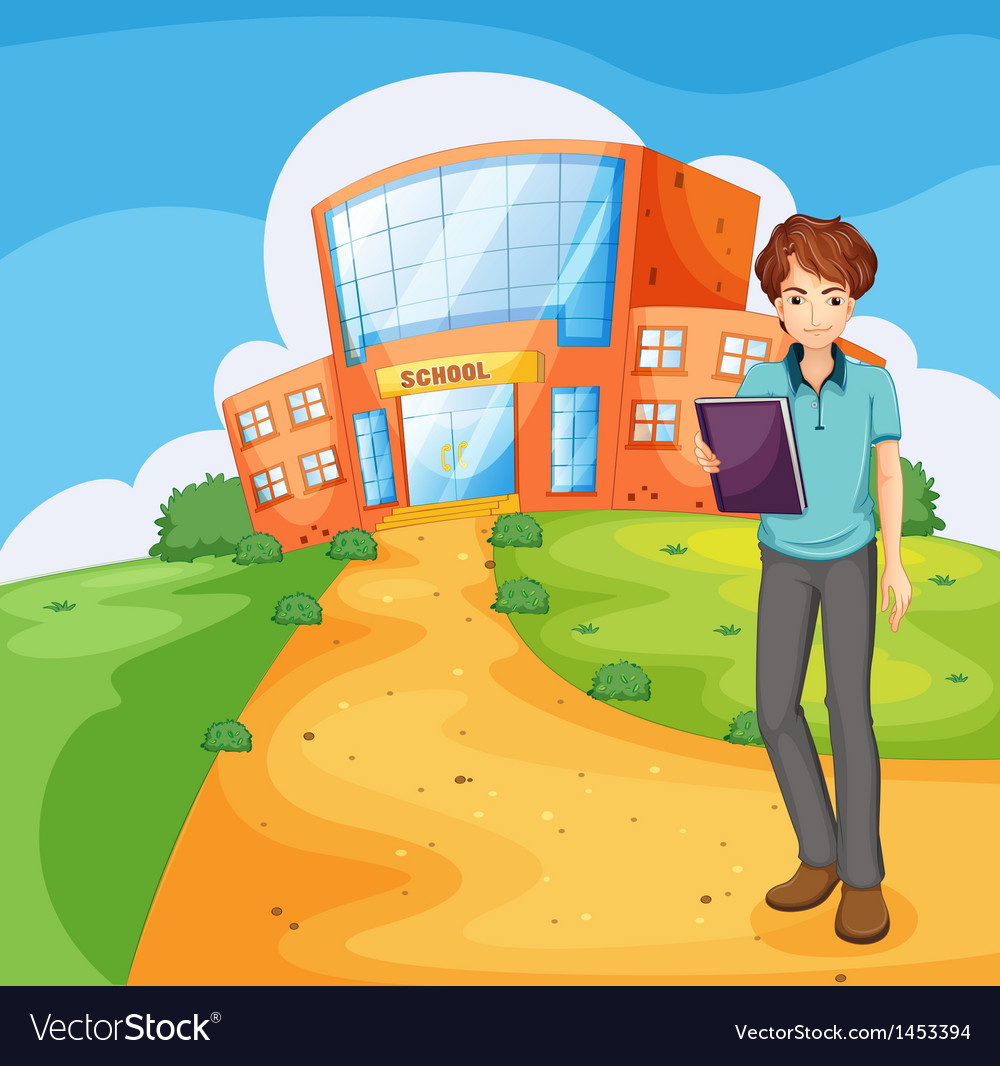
(835, 301)
(795, 300)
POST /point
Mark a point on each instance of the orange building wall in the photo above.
(312, 513)
(694, 237)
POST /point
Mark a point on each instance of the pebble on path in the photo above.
(308, 736)
(841, 977)
(460, 780)
(276, 910)
(489, 564)
(706, 899)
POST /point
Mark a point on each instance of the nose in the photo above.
(814, 317)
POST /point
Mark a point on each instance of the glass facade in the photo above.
(574, 439)
(490, 240)
(371, 429)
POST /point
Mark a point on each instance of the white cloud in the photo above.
(776, 204)
(948, 422)
(250, 364)
(110, 521)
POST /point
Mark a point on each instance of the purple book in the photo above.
(755, 442)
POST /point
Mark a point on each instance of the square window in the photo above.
(260, 481)
(665, 433)
(312, 395)
(280, 489)
(314, 478)
(673, 338)
(644, 410)
(296, 399)
(249, 434)
(264, 496)
(649, 358)
(316, 410)
(666, 412)
(246, 419)
(756, 349)
(324, 456)
(266, 427)
(671, 359)
(309, 462)
(275, 473)
(262, 412)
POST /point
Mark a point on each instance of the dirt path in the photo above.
(426, 803)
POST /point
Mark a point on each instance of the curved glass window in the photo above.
(490, 240)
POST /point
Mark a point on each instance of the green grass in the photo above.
(664, 611)
(107, 707)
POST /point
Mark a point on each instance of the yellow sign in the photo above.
(459, 372)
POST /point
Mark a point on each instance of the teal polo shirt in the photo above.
(834, 432)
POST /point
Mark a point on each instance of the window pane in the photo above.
(643, 432)
(734, 345)
(586, 398)
(296, 399)
(264, 496)
(730, 364)
(478, 273)
(309, 462)
(476, 231)
(414, 199)
(420, 242)
(260, 480)
(534, 266)
(276, 474)
(671, 359)
(246, 418)
(326, 456)
(532, 224)
(371, 255)
(312, 395)
(673, 338)
(249, 434)
(366, 214)
(562, 479)
(478, 183)
(425, 282)
(316, 410)
(650, 337)
(261, 412)
(666, 412)
(665, 434)
(533, 179)
(300, 415)
(313, 478)
(280, 489)
(266, 427)
(644, 410)
(377, 293)
(649, 358)
(330, 472)
(757, 349)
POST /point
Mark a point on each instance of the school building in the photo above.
(513, 326)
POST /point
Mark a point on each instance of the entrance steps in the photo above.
(443, 512)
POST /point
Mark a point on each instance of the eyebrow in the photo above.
(793, 288)
(833, 288)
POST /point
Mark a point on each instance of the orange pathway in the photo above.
(584, 845)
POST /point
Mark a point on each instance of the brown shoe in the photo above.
(862, 917)
(809, 886)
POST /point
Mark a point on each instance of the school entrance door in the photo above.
(459, 444)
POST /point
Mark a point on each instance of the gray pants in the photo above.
(791, 591)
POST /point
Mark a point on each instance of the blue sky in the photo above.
(144, 156)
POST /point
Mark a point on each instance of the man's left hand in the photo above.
(894, 577)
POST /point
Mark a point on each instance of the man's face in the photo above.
(815, 310)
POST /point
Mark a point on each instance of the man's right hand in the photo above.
(705, 456)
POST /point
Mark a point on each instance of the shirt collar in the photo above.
(794, 357)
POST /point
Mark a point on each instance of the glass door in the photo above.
(459, 444)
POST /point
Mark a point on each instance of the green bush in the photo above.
(228, 736)
(516, 531)
(205, 519)
(297, 610)
(521, 595)
(919, 519)
(353, 544)
(258, 548)
(620, 681)
(743, 729)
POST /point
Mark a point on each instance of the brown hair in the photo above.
(825, 247)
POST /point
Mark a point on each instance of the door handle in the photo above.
(461, 448)
(444, 465)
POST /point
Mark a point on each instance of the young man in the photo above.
(813, 271)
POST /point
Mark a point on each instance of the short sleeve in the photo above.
(885, 409)
(755, 382)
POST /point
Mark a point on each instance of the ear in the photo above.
(779, 306)
(850, 307)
